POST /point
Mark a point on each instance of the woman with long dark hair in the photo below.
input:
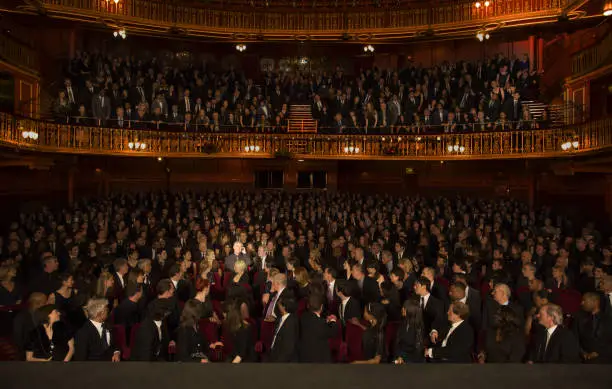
(191, 346)
(373, 338)
(506, 344)
(49, 341)
(409, 342)
(240, 334)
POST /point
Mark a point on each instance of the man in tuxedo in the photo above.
(185, 103)
(349, 309)
(366, 287)
(128, 312)
(457, 292)
(339, 125)
(160, 102)
(152, 340)
(94, 342)
(501, 296)
(120, 120)
(101, 107)
(166, 301)
(279, 289)
(286, 333)
(48, 281)
(121, 268)
(438, 290)
(315, 332)
(183, 289)
(71, 93)
(472, 299)
(440, 116)
(593, 329)
(557, 344)
(331, 297)
(457, 338)
(433, 309)
(492, 108)
(514, 108)
(86, 96)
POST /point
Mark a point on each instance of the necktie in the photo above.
(595, 325)
(70, 96)
(187, 104)
(280, 323)
(422, 302)
(548, 336)
(270, 310)
(104, 337)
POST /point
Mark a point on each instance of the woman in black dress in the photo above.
(506, 344)
(240, 335)
(191, 346)
(409, 342)
(373, 338)
(49, 341)
(391, 301)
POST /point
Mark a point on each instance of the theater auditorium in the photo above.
(256, 193)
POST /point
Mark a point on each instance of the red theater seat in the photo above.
(121, 340)
(353, 336)
(390, 335)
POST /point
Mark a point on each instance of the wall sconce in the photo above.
(482, 35)
(368, 49)
(241, 47)
(252, 148)
(120, 33)
(455, 148)
(479, 4)
(29, 135)
(137, 146)
(351, 150)
(568, 146)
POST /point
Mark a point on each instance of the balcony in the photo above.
(360, 23)
(42, 136)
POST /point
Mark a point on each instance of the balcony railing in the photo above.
(259, 20)
(18, 54)
(590, 59)
(45, 136)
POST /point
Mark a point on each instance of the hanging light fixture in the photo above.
(120, 33)
(368, 49)
(241, 47)
(482, 35)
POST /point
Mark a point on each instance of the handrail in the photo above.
(36, 135)
(243, 19)
(18, 54)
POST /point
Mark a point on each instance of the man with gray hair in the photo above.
(501, 296)
(94, 342)
(239, 253)
(556, 344)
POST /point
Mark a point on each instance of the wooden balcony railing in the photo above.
(260, 20)
(18, 54)
(590, 59)
(45, 136)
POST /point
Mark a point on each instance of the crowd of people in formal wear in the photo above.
(307, 277)
(149, 93)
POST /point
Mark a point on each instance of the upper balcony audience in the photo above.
(309, 277)
(151, 93)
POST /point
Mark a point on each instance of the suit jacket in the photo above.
(127, 313)
(183, 105)
(163, 105)
(284, 346)
(118, 288)
(594, 334)
(459, 344)
(88, 344)
(562, 347)
(99, 110)
(148, 346)
(474, 302)
(315, 333)
(434, 316)
(352, 309)
(509, 350)
(369, 293)
(491, 307)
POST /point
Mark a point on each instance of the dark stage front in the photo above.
(255, 376)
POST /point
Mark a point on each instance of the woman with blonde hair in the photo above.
(303, 280)
(10, 292)
(104, 288)
(314, 260)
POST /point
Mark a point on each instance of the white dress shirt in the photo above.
(100, 329)
(454, 326)
(121, 280)
(425, 299)
(549, 333)
(343, 308)
(158, 323)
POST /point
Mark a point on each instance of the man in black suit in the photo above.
(514, 108)
(186, 103)
(457, 339)
(472, 299)
(501, 296)
(433, 309)
(121, 268)
(94, 342)
(438, 290)
(128, 311)
(166, 300)
(366, 288)
(556, 344)
(183, 289)
(457, 293)
(278, 290)
(349, 309)
(315, 332)
(286, 334)
(151, 343)
(593, 329)
(492, 108)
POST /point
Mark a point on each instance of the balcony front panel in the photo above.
(41, 136)
(302, 24)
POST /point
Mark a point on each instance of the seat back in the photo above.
(353, 336)
(266, 334)
(209, 330)
(569, 300)
(120, 339)
(133, 333)
(390, 335)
